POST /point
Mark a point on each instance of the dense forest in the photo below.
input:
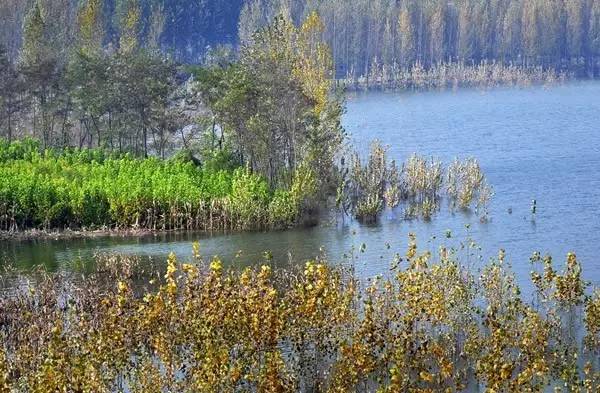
(127, 95)
(118, 74)
(367, 34)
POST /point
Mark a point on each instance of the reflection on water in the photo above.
(536, 143)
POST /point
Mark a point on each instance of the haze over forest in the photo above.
(362, 34)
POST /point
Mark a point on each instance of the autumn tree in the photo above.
(407, 37)
(275, 105)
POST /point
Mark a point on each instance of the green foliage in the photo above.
(24, 149)
(220, 160)
(288, 205)
(93, 188)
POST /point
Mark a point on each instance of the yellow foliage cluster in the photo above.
(431, 326)
(315, 63)
(302, 49)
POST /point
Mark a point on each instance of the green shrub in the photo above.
(91, 188)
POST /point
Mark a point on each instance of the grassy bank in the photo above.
(93, 189)
(433, 325)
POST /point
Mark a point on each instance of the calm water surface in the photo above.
(533, 143)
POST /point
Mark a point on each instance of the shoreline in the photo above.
(450, 76)
(71, 234)
(68, 234)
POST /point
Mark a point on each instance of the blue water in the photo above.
(535, 143)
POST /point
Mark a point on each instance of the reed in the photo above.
(452, 75)
(418, 186)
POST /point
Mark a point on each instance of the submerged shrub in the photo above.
(430, 325)
(287, 206)
(368, 183)
(592, 322)
(466, 183)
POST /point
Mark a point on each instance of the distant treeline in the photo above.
(561, 34)
(182, 28)
(363, 34)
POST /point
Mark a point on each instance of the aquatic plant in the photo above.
(423, 178)
(365, 190)
(452, 75)
(367, 184)
(465, 183)
(432, 324)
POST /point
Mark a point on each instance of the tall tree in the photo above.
(42, 70)
(407, 37)
(91, 26)
(510, 47)
(576, 28)
(467, 35)
(594, 34)
(11, 94)
(275, 104)
(130, 27)
(437, 37)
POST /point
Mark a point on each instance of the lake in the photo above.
(534, 143)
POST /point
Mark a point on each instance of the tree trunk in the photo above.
(9, 127)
